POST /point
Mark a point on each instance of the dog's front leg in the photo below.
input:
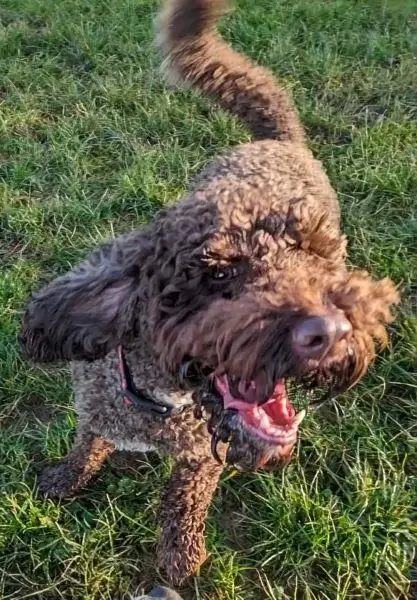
(185, 503)
(73, 472)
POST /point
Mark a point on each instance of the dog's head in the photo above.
(255, 306)
(264, 310)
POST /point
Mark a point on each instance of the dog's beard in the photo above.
(252, 434)
(255, 425)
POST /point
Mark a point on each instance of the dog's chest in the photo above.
(102, 404)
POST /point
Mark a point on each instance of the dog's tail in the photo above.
(194, 53)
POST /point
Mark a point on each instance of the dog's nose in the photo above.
(312, 337)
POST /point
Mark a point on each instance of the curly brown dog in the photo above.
(217, 309)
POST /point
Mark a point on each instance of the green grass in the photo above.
(91, 144)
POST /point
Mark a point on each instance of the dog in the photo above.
(191, 335)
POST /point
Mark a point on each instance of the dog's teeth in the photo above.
(299, 418)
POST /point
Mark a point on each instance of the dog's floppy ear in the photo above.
(85, 313)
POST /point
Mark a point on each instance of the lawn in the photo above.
(92, 144)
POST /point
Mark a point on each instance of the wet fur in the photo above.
(268, 209)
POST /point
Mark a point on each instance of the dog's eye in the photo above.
(224, 273)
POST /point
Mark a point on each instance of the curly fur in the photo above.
(220, 279)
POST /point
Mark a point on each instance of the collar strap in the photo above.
(132, 396)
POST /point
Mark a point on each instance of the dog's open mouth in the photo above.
(274, 421)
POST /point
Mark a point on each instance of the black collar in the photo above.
(139, 398)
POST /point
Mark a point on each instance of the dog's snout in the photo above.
(312, 337)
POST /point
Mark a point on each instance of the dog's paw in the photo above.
(179, 561)
(58, 480)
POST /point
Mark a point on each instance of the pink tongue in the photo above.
(278, 407)
(229, 401)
